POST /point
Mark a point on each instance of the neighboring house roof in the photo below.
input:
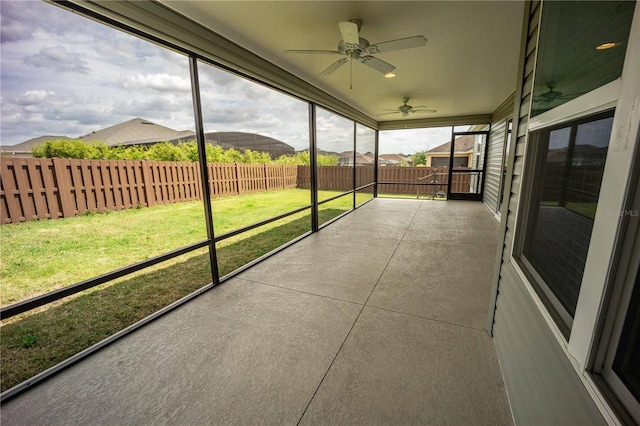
(180, 136)
(394, 158)
(367, 158)
(246, 140)
(27, 145)
(143, 132)
(464, 145)
(253, 141)
(133, 131)
(323, 152)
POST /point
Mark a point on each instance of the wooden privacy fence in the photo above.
(236, 179)
(330, 178)
(437, 177)
(46, 188)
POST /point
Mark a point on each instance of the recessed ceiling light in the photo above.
(389, 75)
(605, 46)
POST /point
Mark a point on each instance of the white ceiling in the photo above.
(468, 65)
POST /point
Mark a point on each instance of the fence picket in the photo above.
(37, 186)
(64, 199)
(23, 187)
(11, 193)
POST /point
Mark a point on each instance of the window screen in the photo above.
(569, 164)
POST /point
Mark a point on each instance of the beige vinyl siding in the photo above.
(542, 385)
(497, 138)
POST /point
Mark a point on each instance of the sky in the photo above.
(63, 74)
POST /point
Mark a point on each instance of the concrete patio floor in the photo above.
(377, 319)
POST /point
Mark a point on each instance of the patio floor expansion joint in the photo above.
(357, 317)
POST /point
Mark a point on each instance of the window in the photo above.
(567, 172)
(135, 230)
(365, 163)
(257, 166)
(335, 137)
(582, 47)
(619, 360)
(408, 159)
(626, 363)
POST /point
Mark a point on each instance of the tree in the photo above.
(419, 158)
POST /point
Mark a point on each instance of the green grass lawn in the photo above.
(41, 256)
(38, 257)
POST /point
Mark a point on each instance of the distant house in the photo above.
(346, 158)
(241, 141)
(393, 159)
(462, 157)
(138, 132)
(143, 132)
(23, 149)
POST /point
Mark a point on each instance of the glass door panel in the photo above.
(467, 165)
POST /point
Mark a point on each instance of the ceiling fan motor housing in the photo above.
(348, 48)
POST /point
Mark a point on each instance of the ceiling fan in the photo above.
(405, 109)
(552, 95)
(356, 48)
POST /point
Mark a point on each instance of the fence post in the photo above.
(266, 177)
(284, 183)
(63, 188)
(11, 192)
(146, 179)
(198, 182)
(238, 185)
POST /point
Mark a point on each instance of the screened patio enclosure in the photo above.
(227, 286)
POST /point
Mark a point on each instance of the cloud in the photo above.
(23, 20)
(410, 141)
(158, 82)
(13, 30)
(58, 58)
(34, 97)
(114, 47)
(68, 75)
(157, 108)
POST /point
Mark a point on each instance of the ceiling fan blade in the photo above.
(377, 64)
(387, 113)
(314, 52)
(402, 43)
(349, 31)
(334, 66)
(423, 110)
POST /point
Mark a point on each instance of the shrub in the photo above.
(163, 151)
(327, 160)
(303, 158)
(70, 148)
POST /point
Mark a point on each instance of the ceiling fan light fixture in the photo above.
(389, 75)
(607, 45)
